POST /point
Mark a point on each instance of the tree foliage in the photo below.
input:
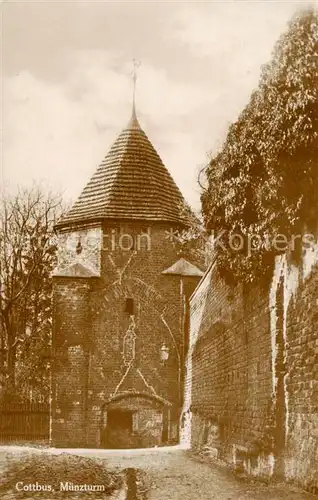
(192, 242)
(27, 257)
(264, 181)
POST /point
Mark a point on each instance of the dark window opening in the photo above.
(129, 307)
(79, 247)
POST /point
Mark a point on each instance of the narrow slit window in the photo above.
(129, 307)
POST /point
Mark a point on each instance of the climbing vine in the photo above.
(264, 180)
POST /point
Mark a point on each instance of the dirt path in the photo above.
(174, 474)
(180, 476)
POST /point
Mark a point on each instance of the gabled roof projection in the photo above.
(183, 268)
(131, 183)
(76, 270)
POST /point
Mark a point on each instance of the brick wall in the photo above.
(251, 381)
(71, 331)
(157, 320)
(301, 382)
(231, 357)
(93, 311)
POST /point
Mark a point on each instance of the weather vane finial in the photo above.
(134, 76)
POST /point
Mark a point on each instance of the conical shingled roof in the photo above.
(131, 183)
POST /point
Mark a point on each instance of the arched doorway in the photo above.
(135, 421)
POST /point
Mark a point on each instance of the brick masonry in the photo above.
(251, 379)
(250, 393)
(101, 351)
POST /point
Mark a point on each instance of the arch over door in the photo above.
(134, 421)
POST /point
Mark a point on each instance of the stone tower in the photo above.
(119, 300)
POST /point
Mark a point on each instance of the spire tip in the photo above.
(133, 122)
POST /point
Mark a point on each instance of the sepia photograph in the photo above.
(159, 249)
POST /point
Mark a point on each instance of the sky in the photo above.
(66, 84)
